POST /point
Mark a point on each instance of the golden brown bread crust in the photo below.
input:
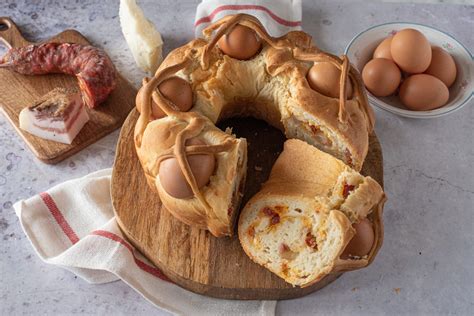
(159, 136)
(271, 86)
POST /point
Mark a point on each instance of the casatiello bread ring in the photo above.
(271, 85)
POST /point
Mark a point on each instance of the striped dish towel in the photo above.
(278, 16)
(72, 226)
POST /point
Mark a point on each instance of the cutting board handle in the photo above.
(10, 34)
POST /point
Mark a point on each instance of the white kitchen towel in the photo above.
(72, 226)
(278, 16)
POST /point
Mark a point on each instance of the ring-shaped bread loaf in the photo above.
(272, 86)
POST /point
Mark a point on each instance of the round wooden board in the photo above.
(193, 258)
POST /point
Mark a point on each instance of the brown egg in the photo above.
(383, 50)
(442, 66)
(178, 91)
(172, 178)
(324, 77)
(423, 92)
(381, 77)
(411, 51)
(363, 240)
(240, 43)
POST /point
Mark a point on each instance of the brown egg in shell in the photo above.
(442, 66)
(411, 51)
(381, 77)
(172, 178)
(383, 50)
(240, 43)
(423, 92)
(178, 91)
(324, 77)
(363, 240)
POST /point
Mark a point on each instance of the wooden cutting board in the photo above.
(193, 258)
(18, 91)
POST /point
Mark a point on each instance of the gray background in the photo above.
(426, 263)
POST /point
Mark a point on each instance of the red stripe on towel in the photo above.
(69, 232)
(58, 216)
(210, 17)
(142, 265)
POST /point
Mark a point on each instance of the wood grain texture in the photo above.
(18, 91)
(193, 258)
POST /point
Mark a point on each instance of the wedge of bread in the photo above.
(300, 222)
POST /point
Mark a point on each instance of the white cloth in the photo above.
(278, 16)
(72, 225)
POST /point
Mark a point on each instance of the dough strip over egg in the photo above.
(228, 24)
(195, 126)
(344, 66)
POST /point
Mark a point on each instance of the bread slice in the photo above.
(299, 223)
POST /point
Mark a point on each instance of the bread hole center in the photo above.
(265, 143)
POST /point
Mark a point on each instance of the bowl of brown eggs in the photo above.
(413, 70)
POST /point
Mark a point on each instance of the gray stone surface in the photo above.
(426, 263)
